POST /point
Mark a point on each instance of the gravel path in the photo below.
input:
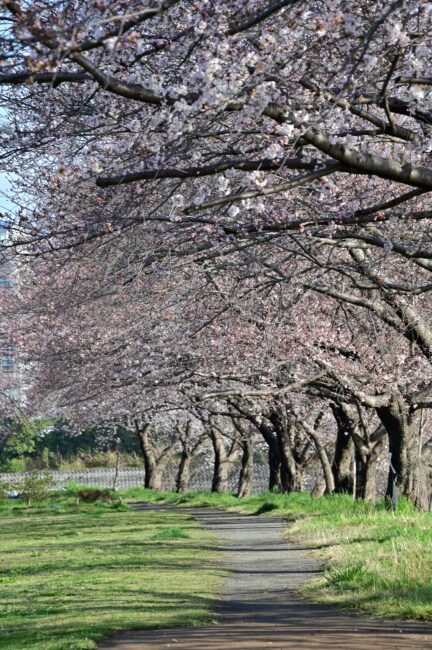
(260, 607)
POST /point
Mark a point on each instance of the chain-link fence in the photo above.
(129, 477)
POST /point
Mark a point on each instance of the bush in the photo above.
(5, 490)
(92, 495)
(35, 487)
(15, 465)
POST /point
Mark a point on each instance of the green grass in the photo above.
(174, 532)
(377, 561)
(70, 575)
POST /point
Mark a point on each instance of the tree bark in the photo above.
(405, 450)
(247, 468)
(183, 473)
(117, 467)
(148, 456)
(220, 469)
(366, 466)
(246, 442)
(155, 479)
(291, 470)
(223, 460)
(342, 460)
(265, 428)
(324, 460)
(189, 450)
(274, 457)
(154, 463)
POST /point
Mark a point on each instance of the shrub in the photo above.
(5, 490)
(36, 487)
(92, 495)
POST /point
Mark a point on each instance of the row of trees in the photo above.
(42, 444)
(222, 229)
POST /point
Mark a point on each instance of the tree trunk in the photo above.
(366, 466)
(152, 468)
(116, 472)
(142, 435)
(264, 426)
(405, 453)
(151, 479)
(247, 468)
(155, 480)
(183, 474)
(220, 473)
(291, 471)
(342, 460)
(291, 474)
(141, 446)
(324, 460)
(223, 460)
(274, 457)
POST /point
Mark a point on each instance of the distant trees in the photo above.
(27, 444)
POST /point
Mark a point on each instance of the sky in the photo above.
(5, 205)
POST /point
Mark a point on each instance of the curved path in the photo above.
(260, 607)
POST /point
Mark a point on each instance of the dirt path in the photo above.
(260, 608)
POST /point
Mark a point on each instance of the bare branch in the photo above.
(258, 18)
(264, 164)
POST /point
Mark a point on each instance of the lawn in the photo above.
(377, 561)
(70, 575)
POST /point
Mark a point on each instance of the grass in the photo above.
(376, 561)
(174, 532)
(70, 575)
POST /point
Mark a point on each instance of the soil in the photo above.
(260, 607)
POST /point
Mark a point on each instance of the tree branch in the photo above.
(54, 78)
(255, 20)
(367, 163)
(264, 164)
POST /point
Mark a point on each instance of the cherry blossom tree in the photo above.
(228, 189)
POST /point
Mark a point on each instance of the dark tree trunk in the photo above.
(342, 460)
(264, 426)
(189, 449)
(291, 470)
(147, 452)
(405, 452)
(220, 474)
(183, 473)
(291, 474)
(247, 468)
(141, 446)
(274, 457)
(223, 460)
(154, 464)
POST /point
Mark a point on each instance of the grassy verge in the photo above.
(70, 575)
(377, 562)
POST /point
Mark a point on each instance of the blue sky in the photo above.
(5, 204)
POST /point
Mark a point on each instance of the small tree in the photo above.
(5, 488)
(36, 487)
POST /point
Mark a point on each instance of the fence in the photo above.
(129, 477)
(200, 481)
